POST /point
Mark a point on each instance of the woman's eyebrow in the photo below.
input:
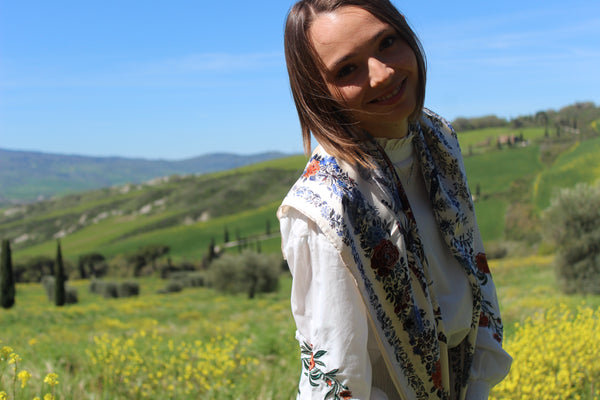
(345, 58)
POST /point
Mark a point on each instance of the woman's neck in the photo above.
(395, 130)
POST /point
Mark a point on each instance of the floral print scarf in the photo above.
(366, 215)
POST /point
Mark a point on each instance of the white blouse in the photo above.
(329, 311)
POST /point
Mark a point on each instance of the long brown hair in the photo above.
(330, 122)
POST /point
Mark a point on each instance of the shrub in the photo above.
(36, 268)
(495, 250)
(572, 224)
(128, 289)
(109, 290)
(71, 295)
(167, 271)
(195, 279)
(113, 290)
(95, 286)
(49, 284)
(248, 272)
(92, 264)
(104, 288)
(188, 279)
(173, 286)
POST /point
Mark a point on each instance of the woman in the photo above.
(391, 295)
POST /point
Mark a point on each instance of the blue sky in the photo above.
(176, 79)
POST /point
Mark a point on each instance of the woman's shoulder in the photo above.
(324, 185)
(323, 168)
(437, 123)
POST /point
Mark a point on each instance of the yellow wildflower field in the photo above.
(199, 344)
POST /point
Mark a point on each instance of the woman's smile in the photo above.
(393, 96)
(369, 68)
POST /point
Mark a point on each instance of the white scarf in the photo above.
(366, 216)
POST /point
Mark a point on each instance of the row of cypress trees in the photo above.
(7, 279)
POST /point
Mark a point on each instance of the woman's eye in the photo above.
(345, 71)
(387, 42)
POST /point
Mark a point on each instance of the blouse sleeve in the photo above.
(490, 365)
(330, 317)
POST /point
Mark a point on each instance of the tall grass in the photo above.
(95, 346)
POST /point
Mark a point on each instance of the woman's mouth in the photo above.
(392, 96)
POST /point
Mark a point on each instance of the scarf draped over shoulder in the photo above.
(366, 216)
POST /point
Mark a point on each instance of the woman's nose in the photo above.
(379, 72)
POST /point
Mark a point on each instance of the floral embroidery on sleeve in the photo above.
(311, 169)
(311, 366)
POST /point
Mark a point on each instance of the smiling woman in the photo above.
(329, 73)
(375, 73)
(392, 295)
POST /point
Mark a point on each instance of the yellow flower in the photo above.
(14, 358)
(3, 396)
(23, 376)
(51, 379)
(48, 396)
(554, 352)
(5, 352)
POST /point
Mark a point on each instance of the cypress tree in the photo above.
(212, 254)
(7, 279)
(59, 278)
(226, 235)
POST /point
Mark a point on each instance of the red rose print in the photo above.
(437, 375)
(384, 271)
(385, 256)
(498, 338)
(311, 169)
(346, 394)
(484, 321)
(311, 364)
(482, 264)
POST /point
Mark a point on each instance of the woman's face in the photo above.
(369, 67)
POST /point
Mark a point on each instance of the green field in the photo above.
(581, 163)
(184, 213)
(105, 349)
(187, 242)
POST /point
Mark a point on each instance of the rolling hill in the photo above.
(32, 176)
(512, 183)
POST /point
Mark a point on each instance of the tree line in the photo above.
(578, 116)
(248, 271)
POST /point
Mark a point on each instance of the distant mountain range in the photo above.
(30, 176)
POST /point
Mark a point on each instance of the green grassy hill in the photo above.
(579, 163)
(184, 213)
(512, 184)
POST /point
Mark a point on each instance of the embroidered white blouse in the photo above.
(329, 311)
